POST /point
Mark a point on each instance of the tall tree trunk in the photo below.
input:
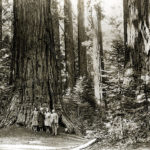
(97, 56)
(125, 18)
(138, 39)
(69, 44)
(1, 23)
(138, 42)
(35, 74)
(100, 38)
(81, 38)
(100, 47)
(55, 23)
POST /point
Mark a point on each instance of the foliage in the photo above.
(5, 88)
(79, 104)
(7, 18)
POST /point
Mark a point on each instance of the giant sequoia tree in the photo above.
(55, 23)
(98, 63)
(34, 62)
(137, 35)
(35, 67)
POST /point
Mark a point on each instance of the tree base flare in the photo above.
(20, 113)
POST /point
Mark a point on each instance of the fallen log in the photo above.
(85, 145)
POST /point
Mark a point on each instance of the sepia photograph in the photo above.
(74, 74)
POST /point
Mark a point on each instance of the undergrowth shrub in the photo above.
(79, 104)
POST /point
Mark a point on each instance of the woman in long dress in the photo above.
(35, 120)
(47, 121)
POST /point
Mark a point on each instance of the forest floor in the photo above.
(137, 146)
(18, 138)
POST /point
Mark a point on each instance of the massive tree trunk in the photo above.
(138, 39)
(81, 38)
(1, 24)
(100, 39)
(138, 43)
(35, 68)
(34, 71)
(69, 44)
(55, 23)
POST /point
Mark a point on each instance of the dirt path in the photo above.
(14, 138)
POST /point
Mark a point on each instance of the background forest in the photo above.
(88, 59)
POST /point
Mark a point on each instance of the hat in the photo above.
(41, 108)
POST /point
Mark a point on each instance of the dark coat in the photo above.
(41, 119)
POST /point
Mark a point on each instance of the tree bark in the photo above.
(138, 39)
(34, 71)
(81, 38)
(35, 68)
(98, 62)
(125, 17)
(1, 23)
(69, 44)
(100, 47)
(55, 23)
(138, 42)
(100, 37)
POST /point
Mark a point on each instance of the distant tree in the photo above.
(81, 38)
(35, 70)
(125, 9)
(94, 46)
(98, 62)
(99, 35)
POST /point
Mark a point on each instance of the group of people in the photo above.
(45, 121)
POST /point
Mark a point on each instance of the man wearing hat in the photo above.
(54, 118)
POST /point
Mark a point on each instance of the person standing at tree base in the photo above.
(41, 120)
(35, 120)
(54, 118)
(47, 121)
